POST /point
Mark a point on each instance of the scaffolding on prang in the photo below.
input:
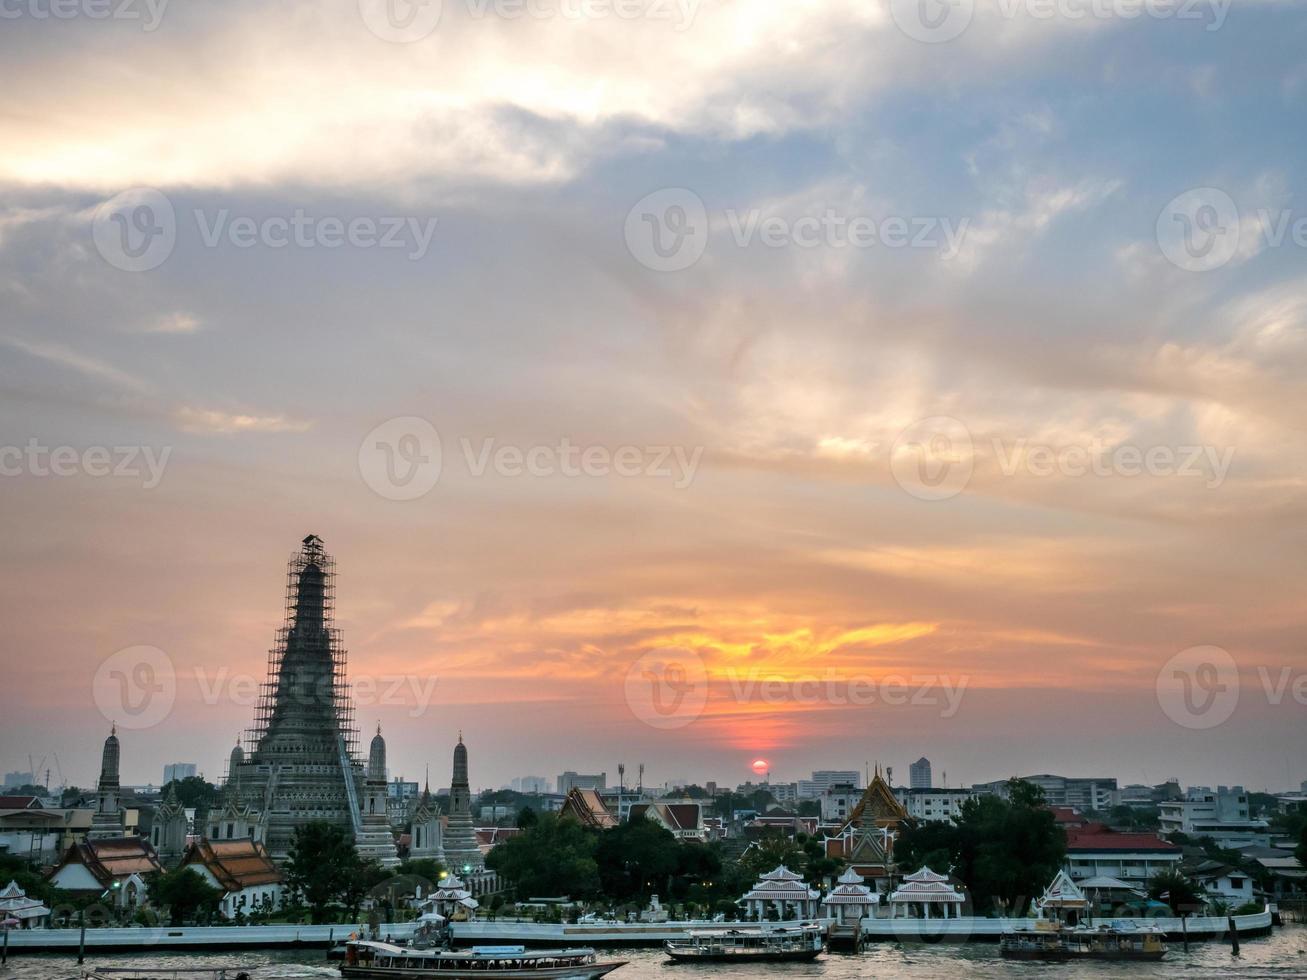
(309, 623)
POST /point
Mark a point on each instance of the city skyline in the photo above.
(776, 353)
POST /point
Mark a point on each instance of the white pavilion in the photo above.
(783, 892)
(850, 900)
(923, 891)
(19, 911)
(1062, 897)
(452, 900)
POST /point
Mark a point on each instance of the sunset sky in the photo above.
(777, 538)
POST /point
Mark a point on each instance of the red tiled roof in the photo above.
(1096, 837)
(236, 864)
(116, 857)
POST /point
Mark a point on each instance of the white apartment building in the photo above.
(933, 804)
(824, 779)
(1222, 814)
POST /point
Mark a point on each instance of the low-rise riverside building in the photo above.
(30, 829)
(114, 867)
(244, 871)
(1096, 850)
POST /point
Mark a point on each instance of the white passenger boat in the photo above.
(374, 961)
(773, 944)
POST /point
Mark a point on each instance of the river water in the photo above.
(1281, 956)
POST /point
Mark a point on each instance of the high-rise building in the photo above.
(461, 850)
(530, 784)
(919, 774)
(13, 780)
(178, 770)
(302, 763)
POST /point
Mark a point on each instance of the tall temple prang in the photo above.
(462, 853)
(302, 763)
(107, 821)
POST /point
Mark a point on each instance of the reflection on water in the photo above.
(1280, 956)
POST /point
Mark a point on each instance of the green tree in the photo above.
(1006, 851)
(429, 869)
(554, 857)
(637, 859)
(193, 791)
(1300, 852)
(321, 865)
(527, 817)
(185, 893)
(1179, 892)
(772, 850)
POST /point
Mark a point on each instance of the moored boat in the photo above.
(376, 960)
(773, 944)
(1118, 941)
